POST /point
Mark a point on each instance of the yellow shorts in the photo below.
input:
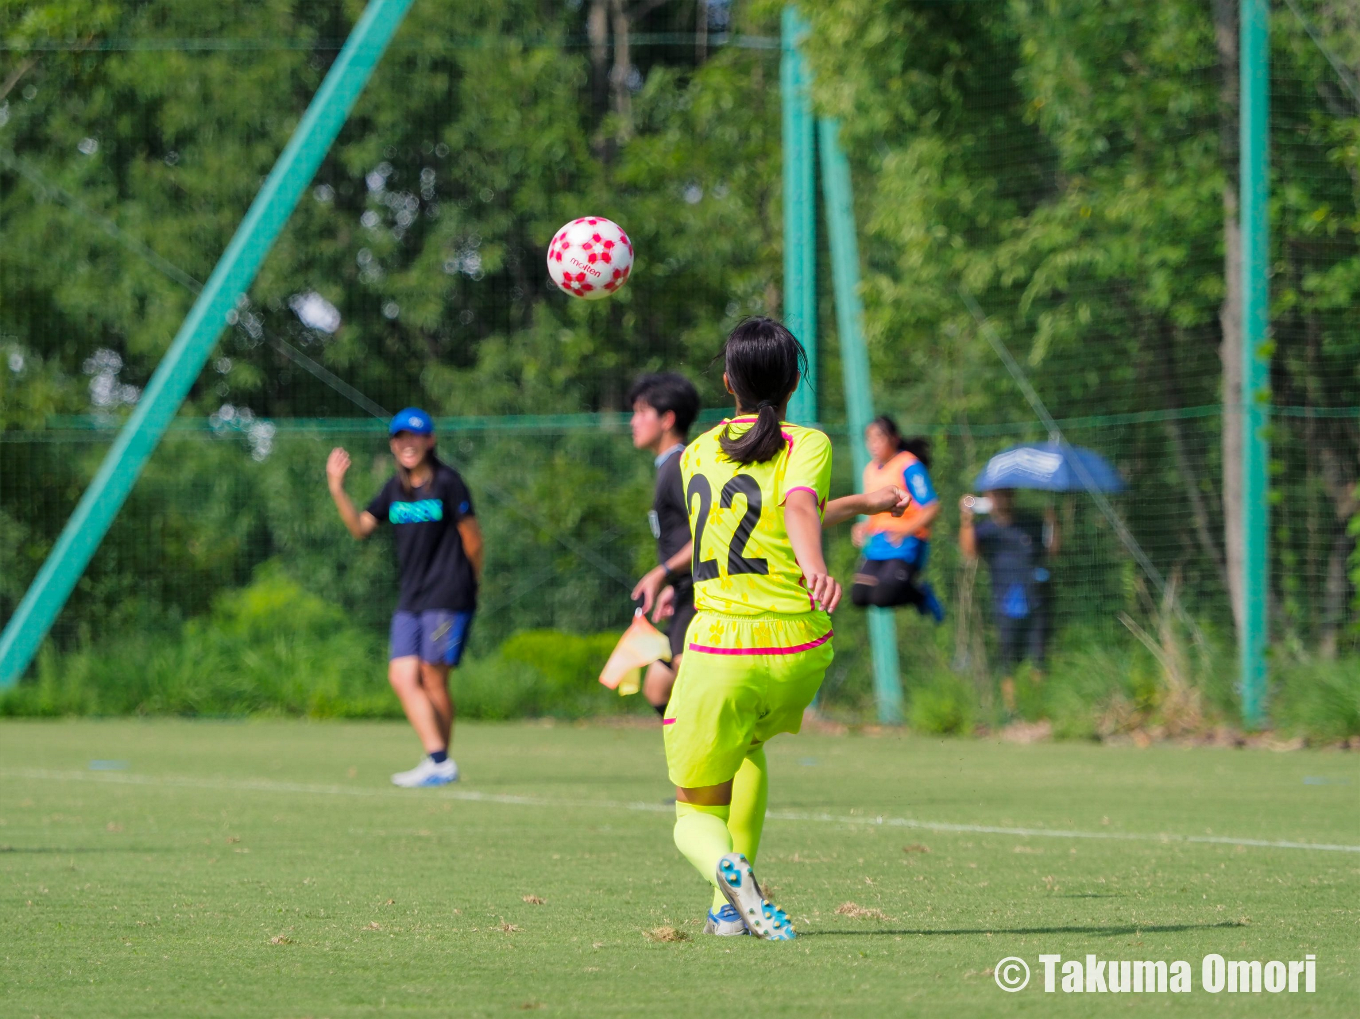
(743, 679)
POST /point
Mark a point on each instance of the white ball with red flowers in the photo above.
(590, 258)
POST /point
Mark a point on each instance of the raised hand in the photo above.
(336, 466)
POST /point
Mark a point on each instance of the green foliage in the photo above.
(1319, 700)
(478, 136)
(270, 649)
(539, 673)
(568, 662)
(273, 648)
(944, 707)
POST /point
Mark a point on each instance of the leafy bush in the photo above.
(1320, 700)
(945, 706)
(270, 648)
(273, 648)
(542, 672)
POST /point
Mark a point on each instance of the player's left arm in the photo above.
(468, 528)
(473, 546)
(889, 499)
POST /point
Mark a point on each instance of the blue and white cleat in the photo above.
(725, 922)
(425, 774)
(738, 884)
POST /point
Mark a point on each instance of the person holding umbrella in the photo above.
(1016, 546)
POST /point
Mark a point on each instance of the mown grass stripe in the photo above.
(511, 799)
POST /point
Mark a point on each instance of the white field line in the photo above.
(472, 796)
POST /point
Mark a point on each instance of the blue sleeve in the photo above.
(917, 482)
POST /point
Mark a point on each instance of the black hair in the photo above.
(917, 445)
(888, 427)
(667, 391)
(763, 361)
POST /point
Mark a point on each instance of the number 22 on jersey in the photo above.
(737, 561)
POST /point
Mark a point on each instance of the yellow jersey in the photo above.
(743, 562)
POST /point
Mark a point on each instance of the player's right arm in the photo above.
(804, 526)
(967, 536)
(361, 525)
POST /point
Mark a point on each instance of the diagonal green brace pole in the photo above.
(197, 335)
(800, 210)
(859, 401)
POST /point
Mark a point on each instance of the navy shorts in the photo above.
(437, 636)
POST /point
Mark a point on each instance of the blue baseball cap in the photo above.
(413, 420)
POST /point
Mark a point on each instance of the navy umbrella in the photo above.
(1049, 467)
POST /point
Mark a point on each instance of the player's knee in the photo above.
(404, 673)
(657, 684)
(434, 676)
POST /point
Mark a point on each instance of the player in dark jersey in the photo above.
(439, 560)
(664, 406)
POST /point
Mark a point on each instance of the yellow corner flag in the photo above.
(641, 644)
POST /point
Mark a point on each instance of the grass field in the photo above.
(268, 869)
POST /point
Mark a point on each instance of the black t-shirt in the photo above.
(435, 571)
(670, 516)
(1014, 553)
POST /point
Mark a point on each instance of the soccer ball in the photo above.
(590, 258)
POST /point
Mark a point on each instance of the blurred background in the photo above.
(1070, 166)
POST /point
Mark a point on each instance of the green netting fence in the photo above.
(1064, 165)
(563, 504)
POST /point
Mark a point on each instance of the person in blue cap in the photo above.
(439, 561)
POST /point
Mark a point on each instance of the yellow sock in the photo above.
(701, 835)
(750, 796)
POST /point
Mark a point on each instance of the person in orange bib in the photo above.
(896, 547)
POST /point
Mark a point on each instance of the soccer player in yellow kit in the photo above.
(756, 489)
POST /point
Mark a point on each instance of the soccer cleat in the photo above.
(738, 884)
(425, 774)
(725, 922)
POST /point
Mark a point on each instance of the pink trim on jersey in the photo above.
(668, 721)
(764, 650)
(803, 488)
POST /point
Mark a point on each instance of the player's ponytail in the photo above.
(763, 361)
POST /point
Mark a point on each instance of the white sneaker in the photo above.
(427, 773)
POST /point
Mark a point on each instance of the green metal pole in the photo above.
(197, 335)
(800, 210)
(859, 402)
(1255, 184)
